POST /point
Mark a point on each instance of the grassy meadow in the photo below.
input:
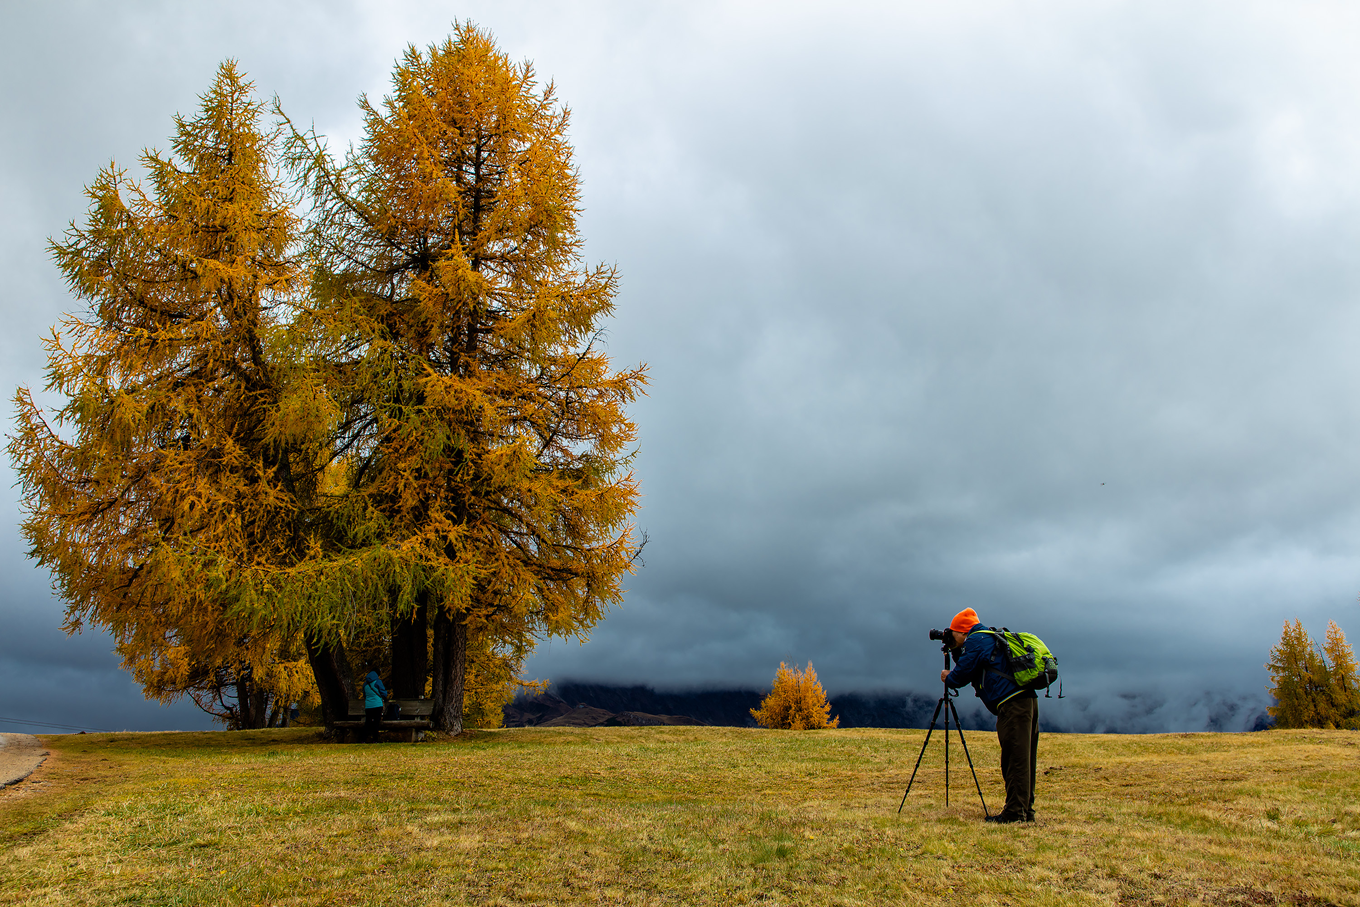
(680, 816)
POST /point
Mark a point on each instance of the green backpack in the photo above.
(1028, 660)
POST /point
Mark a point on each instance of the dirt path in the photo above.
(20, 754)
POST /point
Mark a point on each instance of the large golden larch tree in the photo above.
(184, 442)
(487, 447)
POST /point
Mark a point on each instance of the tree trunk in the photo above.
(278, 713)
(252, 703)
(450, 667)
(410, 651)
(242, 702)
(330, 667)
(259, 712)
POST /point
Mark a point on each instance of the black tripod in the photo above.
(946, 699)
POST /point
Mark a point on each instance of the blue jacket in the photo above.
(374, 691)
(981, 663)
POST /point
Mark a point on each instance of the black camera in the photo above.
(937, 634)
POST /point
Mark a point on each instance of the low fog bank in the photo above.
(1151, 711)
(1155, 711)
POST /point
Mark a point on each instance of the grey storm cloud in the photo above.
(1045, 310)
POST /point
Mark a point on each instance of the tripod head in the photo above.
(944, 644)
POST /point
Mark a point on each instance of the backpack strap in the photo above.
(999, 640)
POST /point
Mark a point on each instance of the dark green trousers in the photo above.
(1017, 727)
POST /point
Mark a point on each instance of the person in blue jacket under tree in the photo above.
(374, 695)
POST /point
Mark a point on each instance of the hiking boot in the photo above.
(1005, 818)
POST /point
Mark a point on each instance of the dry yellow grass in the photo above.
(680, 816)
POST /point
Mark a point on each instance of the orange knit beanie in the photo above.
(964, 621)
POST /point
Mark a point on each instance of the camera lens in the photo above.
(937, 634)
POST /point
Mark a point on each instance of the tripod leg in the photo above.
(970, 759)
(950, 703)
(929, 731)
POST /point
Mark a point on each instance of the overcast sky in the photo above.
(1047, 309)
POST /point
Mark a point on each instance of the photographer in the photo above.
(978, 662)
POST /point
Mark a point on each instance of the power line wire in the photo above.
(65, 727)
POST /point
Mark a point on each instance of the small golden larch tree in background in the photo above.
(1313, 688)
(1343, 678)
(797, 702)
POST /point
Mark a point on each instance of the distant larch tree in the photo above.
(1313, 687)
(796, 702)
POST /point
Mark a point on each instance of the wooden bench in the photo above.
(412, 722)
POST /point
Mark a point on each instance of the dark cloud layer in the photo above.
(1043, 311)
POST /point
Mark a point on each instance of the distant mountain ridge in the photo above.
(592, 705)
(583, 704)
(547, 710)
